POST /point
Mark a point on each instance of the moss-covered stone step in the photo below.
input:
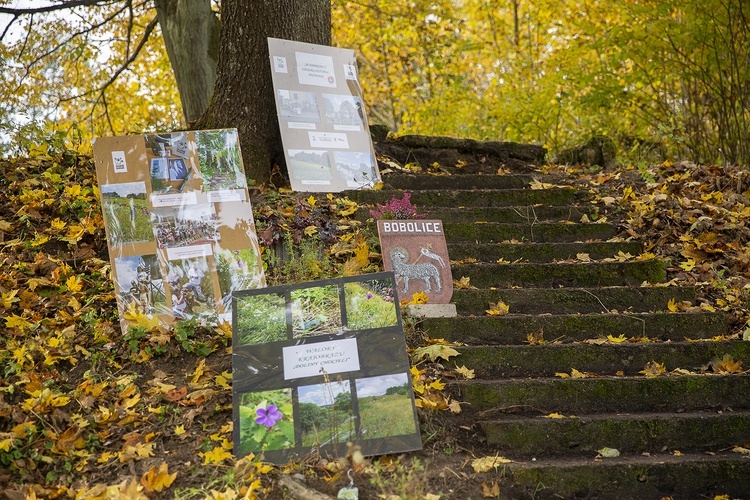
(605, 359)
(632, 273)
(424, 200)
(412, 182)
(529, 437)
(521, 214)
(660, 475)
(540, 252)
(515, 329)
(495, 232)
(572, 300)
(581, 396)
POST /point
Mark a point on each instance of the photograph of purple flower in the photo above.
(268, 416)
(265, 421)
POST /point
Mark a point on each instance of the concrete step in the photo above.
(581, 396)
(606, 359)
(515, 329)
(540, 252)
(467, 181)
(572, 300)
(495, 232)
(628, 477)
(591, 274)
(529, 437)
(425, 200)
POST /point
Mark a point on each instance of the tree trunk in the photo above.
(191, 34)
(243, 96)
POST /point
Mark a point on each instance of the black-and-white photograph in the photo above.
(297, 106)
(357, 168)
(344, 109)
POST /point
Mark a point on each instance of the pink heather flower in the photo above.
(397, 209)
(268, 416)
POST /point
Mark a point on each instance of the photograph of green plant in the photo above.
(385, 406)
(325, 413)
(260, 318)
(370, 304)
(237, 270)
(126, 213)
(265, 420)
(316, 311)
(220, 160)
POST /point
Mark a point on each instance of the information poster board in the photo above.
(319, 364)
(415, 250)
(179, 224)
(322, 118)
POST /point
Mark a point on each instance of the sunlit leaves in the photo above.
(433, 353)
(158, 479)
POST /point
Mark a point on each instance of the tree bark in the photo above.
(191, 34)
(243, 96)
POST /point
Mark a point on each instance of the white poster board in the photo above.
(322, 117)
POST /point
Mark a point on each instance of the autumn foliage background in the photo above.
(87, 411)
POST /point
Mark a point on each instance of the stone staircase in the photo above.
(674, 432)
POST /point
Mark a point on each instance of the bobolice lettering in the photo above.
(412, 227)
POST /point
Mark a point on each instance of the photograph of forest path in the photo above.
(589, 161)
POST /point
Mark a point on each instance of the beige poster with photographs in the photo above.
(322, 117)
(179, 224)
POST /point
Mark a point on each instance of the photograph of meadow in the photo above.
(266, 421)
(370, 304)
(126, 213)
(260, 318)
(385, 406)
(316, 311)
(309, 165)
(237, 270)
(325, 413)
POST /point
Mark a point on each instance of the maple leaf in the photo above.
(310, 230)
(215, 456)
(726, 365)
(9, 298)
(463, 283)
(74, 284)
(490, 491)
(465, 372)
(433, 352)
(576, 374)
(484, 464)
(653, 369)
(583, 257)
(499, 309)
(455, 407)
(158, 479)
(16, 321)
(617, 340)
(688, 265)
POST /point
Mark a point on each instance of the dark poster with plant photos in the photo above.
(322, 119)
(321, 364)
(179, 225)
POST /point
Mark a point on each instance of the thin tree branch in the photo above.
(69, 4)
(146, 34)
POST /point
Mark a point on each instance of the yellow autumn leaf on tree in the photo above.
(215, 456)
(158, 479)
